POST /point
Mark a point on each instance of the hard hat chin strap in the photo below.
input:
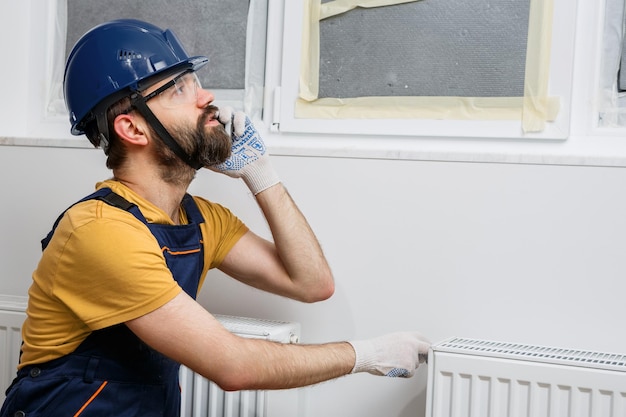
(103, 132)
(139, 103)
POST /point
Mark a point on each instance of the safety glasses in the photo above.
(181, 90)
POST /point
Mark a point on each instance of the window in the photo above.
(231, 34)
(431, 68)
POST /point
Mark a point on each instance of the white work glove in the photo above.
(249, 158)
(394, 355)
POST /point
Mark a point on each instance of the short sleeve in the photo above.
(112, 270)
(221, 231)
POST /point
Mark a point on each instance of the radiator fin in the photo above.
(11, 318)
(203, 398)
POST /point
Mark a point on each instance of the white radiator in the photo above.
(477, 378)
(200, 397)
(11, 318)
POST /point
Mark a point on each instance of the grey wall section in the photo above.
(213, 28)
(468, 48)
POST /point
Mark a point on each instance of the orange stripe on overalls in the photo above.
(93, 397)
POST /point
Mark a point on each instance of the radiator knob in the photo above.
(293, 338)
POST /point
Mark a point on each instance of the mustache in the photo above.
(210, 111)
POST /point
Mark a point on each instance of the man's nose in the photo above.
(205, 97)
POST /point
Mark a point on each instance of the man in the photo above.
(112, 310)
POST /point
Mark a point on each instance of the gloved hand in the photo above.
(249, 159)
(394, 355)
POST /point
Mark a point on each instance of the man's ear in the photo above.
(130, 129)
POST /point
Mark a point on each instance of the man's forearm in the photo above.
(270, 365)
(185, 332)
(296, 244)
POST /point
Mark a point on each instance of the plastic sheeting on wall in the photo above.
(448, 60)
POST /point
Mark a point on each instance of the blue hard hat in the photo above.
(116, 58)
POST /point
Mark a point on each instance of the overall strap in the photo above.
(192, 210)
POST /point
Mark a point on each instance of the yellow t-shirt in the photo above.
(103, 267)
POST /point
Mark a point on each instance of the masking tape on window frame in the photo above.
(533, 109)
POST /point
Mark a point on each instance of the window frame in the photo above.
(429, 123)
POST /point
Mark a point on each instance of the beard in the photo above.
(206, 146)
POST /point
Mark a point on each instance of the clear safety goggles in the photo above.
(183, 89)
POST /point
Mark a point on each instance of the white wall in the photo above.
(511, 252)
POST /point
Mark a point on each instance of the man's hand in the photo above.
(394, 355)
(249, 158)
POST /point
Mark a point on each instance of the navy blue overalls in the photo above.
(113, 373)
